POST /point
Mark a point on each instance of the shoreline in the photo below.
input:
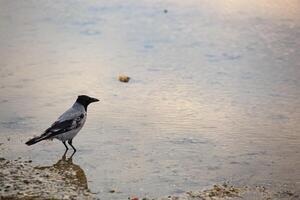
(21, 180)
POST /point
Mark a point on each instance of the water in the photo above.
(214, 94)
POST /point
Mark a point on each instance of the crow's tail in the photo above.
(35, 140)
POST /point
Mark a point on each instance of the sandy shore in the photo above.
(20, 180)
(221, 192)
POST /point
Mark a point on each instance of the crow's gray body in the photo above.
(66, 127)
(76, 117)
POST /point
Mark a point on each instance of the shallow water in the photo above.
(214, 94)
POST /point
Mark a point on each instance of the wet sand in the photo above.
(64, 180)
(20, 180)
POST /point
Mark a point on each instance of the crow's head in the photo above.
(85, 100)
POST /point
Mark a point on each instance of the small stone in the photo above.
(124, 78)
(112, 191)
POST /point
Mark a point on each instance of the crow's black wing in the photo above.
(60, 127)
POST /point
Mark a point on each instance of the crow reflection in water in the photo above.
(73, 173)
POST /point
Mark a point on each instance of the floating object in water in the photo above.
(124, 78)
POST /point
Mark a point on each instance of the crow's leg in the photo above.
(64, 142)
(70, 158)
(70, 143)
(64, 156)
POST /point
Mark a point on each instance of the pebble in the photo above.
(124, 78)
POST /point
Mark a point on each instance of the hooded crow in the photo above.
(66, 127)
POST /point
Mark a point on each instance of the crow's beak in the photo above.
(93, 100)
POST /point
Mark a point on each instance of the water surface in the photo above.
(214, 94)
